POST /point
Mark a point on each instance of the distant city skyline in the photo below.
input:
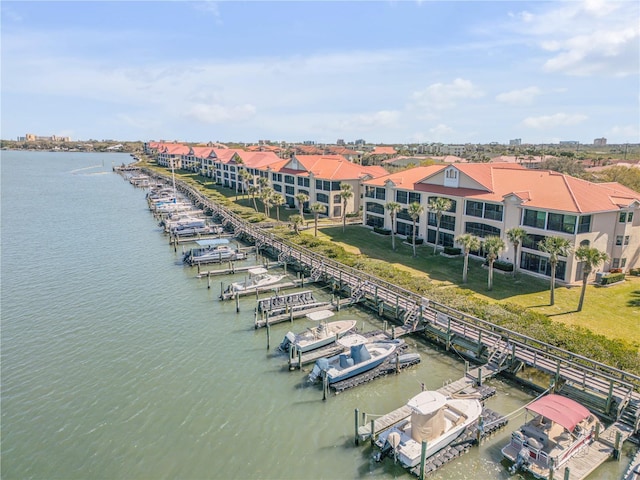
(396, 72)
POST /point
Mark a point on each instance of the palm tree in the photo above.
(317, 209)
(346, 192)
(555, 247)
(393, 208)
(302, 199)
(263, 182)
(493, 246)
(277, 200)
(296, 222)
(414, 211)
(253, 191)
(265, 196)
(469, 242)
(438, 205)
(516, 236)
(244, 177)
(591, 258)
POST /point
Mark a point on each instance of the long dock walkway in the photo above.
(614, 393)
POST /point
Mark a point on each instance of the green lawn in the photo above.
(612, 311)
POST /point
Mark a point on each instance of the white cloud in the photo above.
(552, 121)
(588, 37)
(363, 122)
(625, 131)
(440, 132)
(442, 96)
(521, 97)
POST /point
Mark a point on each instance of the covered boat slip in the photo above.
(213, 250)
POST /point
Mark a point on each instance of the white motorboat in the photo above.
(212, 251)
(323, 334)
(361, 357)
(435, 419)
(258, 277)
(559, 429)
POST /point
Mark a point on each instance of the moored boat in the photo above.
(258, 277)
(559, 428)
(323, 334)
(435, 419)
(361, 357)
(212, 251)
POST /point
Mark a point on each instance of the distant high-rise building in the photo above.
(340, 141)
(516, 142)
(568, 142)
(600, 142)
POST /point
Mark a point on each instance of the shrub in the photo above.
(612, 278)
(382, 231)
(419, 241)
(501, 265)
(635, 272)
(615, 270)
(452, 250)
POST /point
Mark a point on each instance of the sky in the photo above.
(394, 72)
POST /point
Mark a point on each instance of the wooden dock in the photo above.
(633, 470)
(464, 385)
(585, 462)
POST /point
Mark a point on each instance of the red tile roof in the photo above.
(542, 189)
(331, 167)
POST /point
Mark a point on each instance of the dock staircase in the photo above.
(358, 292)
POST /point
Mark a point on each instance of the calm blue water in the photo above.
(118, 363)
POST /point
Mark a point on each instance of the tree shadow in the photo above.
(635, 301)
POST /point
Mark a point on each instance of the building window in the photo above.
(337, 211)
(453, 203)
(561, 223)
(474, 209)
(618, 240)
(584, 224)
(623, 217)
(615, 263)
(404, 215)
(414, 197)
(289, 179)
(289, 190)
(374, 208)
(402, 197)
(303, 182)
(447, 222)
(322, 198)
(623, 262)
(493, 211)
(538, 264)
(405, 229)
(376, 222)
(337, 199)
(626, 239)
(534, 218)
(630, 217)
(277, 188)
(446, 239)
(276, 177)
(481, 230)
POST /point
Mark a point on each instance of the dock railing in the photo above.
(611, 381)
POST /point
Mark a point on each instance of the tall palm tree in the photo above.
(346, 192)
(469, 242)
(263, 182)
(393, 208)
(591, 258)
(296, 221)
(438, 205)
(253, 191)
(415, 210)
(277, 200)
(493, 246)
(265, 196)
(245, 177)
(302, 198)
(555, 247)
(317, 209)
(516, 236)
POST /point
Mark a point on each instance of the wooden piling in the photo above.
(373, 433)
(423, 458)
(237, 295)
(357, 417)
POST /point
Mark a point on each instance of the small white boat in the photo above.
(323, 334)
(361, 357)
(212, 251)
(435, 419)
(258, 277)
(559, 429)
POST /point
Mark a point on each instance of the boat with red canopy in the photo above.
(558, 430)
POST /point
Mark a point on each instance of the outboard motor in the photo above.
(288, 340)
(521, 459)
